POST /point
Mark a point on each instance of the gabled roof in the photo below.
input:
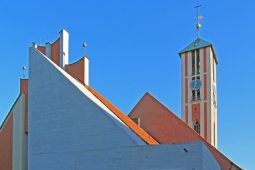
(198, 43)
(164, 126)
(125, 119)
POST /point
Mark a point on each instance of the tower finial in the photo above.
(84, 45)
(198, 18)
(24, 71)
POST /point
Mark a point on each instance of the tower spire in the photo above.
(198, 18)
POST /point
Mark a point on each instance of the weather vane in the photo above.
(84, 45)
(24, 71)
(198, 18)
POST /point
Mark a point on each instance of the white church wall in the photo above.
(153, 157)
(63, 120)
(87, 93)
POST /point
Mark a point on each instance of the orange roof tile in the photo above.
(125, 119)
(167, 128)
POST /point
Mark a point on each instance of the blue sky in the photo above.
(133, 47)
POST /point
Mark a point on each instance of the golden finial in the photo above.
(198, 26)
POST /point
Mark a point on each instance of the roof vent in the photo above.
(137, 121)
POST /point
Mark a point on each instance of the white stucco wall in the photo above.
(149, 157)
(62, 118)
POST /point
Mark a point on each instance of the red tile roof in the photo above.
(164, 126)
(125, 119)
(76, 70)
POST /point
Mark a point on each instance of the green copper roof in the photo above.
(198, 43)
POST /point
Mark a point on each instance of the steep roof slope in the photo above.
(164, 126)
(91, 93)
(133, 126)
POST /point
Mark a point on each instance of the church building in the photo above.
(59, 122)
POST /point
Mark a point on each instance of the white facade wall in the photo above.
(62, 118)
(157, 157)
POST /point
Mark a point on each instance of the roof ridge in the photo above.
(129, 115)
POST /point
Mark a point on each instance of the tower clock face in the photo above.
(195, 84)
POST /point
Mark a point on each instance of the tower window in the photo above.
(198, 94)
(197, 127)
(195, 62)
(193, 95)
(195, 73)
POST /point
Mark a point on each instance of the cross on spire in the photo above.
(198, 18)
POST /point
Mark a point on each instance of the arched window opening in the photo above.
(197, 127)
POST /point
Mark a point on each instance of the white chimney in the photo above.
(64, 47)
(86, 70)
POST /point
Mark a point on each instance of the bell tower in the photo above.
(199, 97)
